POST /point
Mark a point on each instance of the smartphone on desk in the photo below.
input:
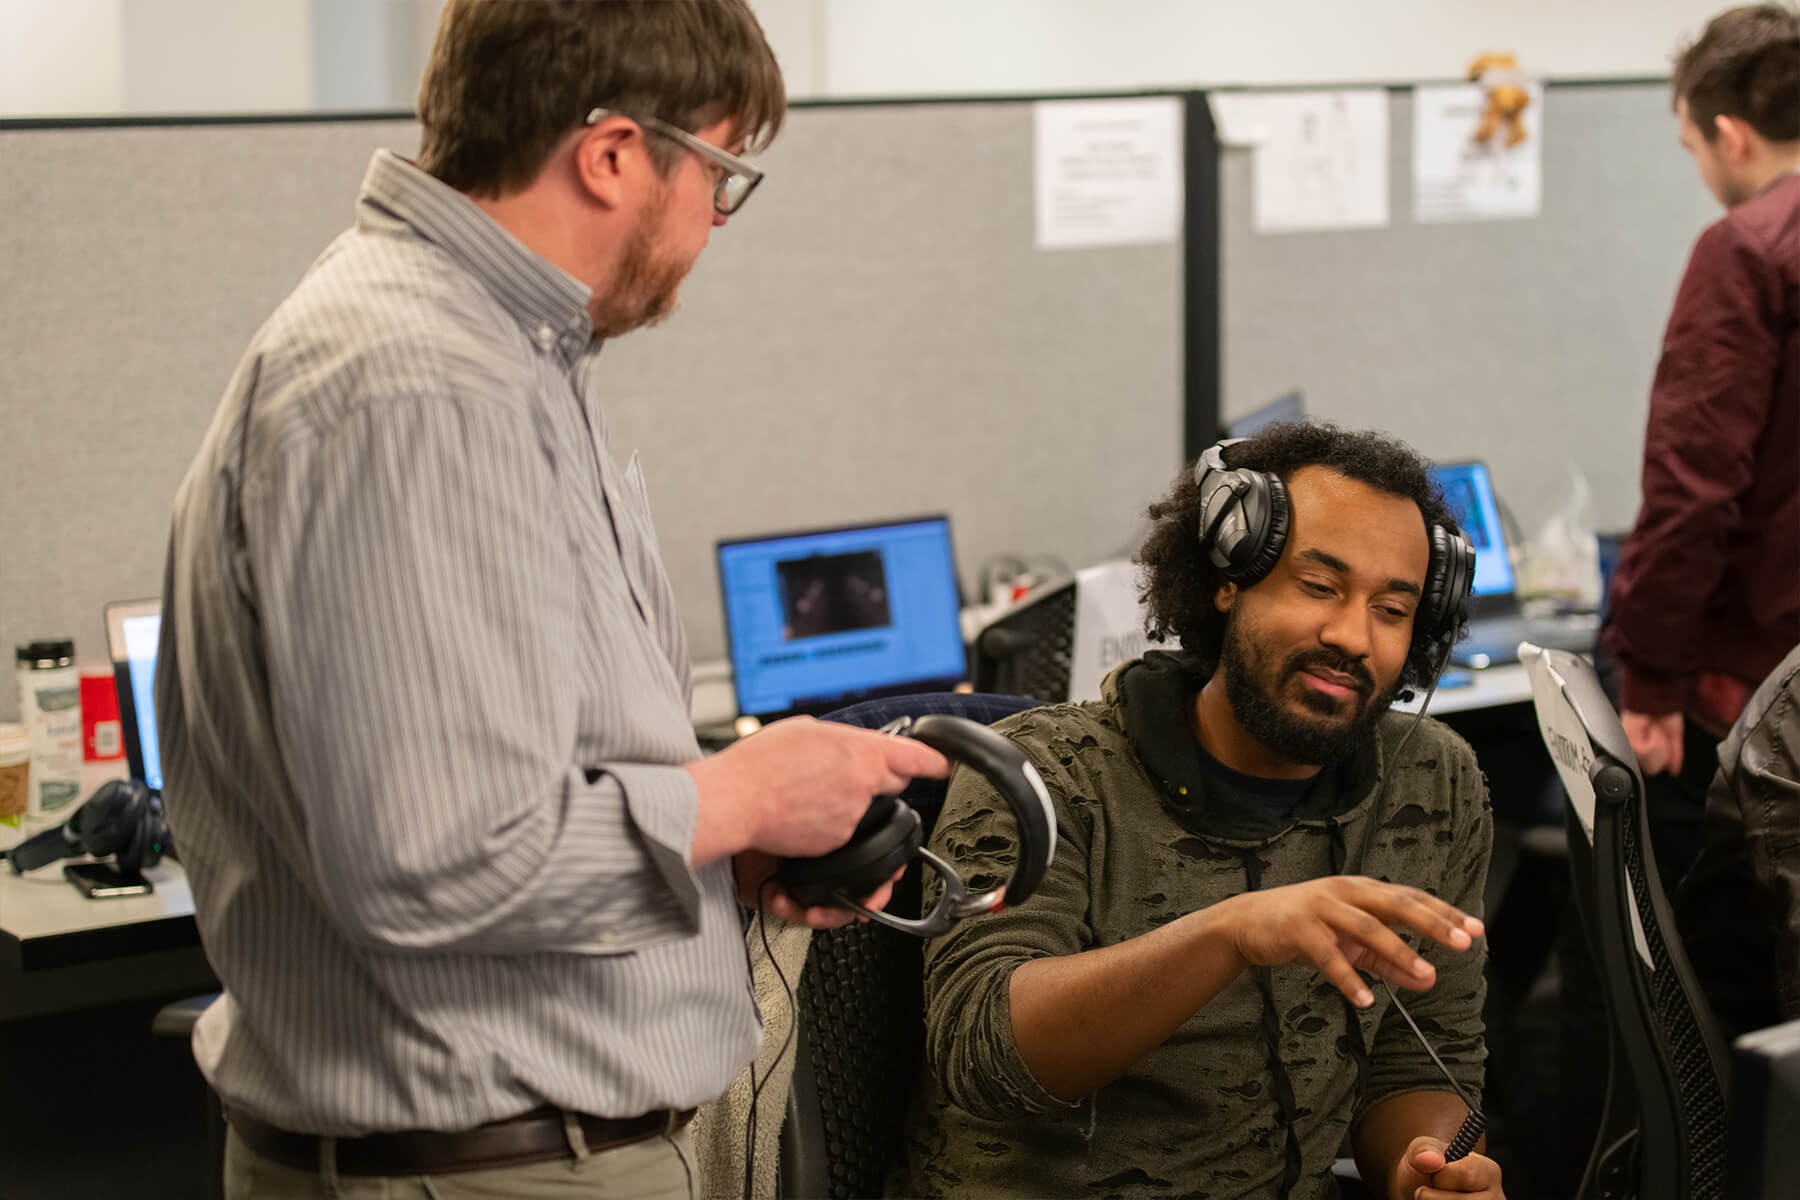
(102, 881)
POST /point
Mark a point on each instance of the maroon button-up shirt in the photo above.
(1708, 583)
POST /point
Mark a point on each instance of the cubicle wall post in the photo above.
(1202, 378)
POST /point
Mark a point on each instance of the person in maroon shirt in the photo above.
(1705, 600)
(1706, 597)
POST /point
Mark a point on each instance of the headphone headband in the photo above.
(123, 818)
(1244, 519)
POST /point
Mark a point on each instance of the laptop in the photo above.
(1289, 407)
(132, 629)
(818, 620)
(1496, 624)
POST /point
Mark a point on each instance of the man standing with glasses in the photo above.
(423, 695)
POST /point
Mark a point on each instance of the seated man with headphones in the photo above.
(1247, 841)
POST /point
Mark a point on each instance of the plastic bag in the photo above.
(1559, 565)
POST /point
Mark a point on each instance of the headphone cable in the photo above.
(1476, 1122)
(793, 1004)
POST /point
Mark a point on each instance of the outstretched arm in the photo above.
(1081, 1021)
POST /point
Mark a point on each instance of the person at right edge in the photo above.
(1739, 907)
(1706, 596)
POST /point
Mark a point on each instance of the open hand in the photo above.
(1656, 739)
(1340, 924)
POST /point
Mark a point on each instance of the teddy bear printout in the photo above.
(1507, 97)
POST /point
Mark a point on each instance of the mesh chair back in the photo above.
(1028, 650)
(861, 996)
(1662, 1136)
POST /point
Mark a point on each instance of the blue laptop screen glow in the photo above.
(140, 650)
(1470, 495)
(818, 617)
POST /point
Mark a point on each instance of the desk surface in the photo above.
(1463, 690)
(45, 922)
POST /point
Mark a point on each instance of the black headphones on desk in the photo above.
(1244, 520)
(123, 818)
(891, 835)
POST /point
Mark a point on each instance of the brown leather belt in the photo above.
(531, 1137)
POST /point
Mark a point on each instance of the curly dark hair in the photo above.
(1179, 581)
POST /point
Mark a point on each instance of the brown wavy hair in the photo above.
(1745, 65)
(507, 81)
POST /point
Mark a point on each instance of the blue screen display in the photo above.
(140, 650)
(1470, 495)
(818, 617)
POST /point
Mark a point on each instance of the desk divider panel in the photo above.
(1528, 343)
(876, 335)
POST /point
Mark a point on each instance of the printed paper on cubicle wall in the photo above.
(1321, 158)
(1108, 172)
(1456, 178)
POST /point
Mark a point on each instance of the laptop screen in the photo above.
(132, 628)
(817, 620)
(1291, 407)
(1470, 495)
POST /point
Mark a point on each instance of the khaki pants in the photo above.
(657, 1168)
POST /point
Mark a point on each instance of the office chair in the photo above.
(1028, 649)
(176, 1019)
(1662, 1129)
(861, 1032)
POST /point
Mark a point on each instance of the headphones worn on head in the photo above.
(891, 835)
(1244, 520)
(123, 818)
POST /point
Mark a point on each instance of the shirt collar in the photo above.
(547, 301)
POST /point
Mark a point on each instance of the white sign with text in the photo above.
(1109, 625)
(1108, 172)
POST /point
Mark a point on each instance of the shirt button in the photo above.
(649, 614)
(546, 337)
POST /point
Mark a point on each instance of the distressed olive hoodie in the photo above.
(1145, 835)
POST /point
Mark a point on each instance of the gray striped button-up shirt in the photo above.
(423, 700)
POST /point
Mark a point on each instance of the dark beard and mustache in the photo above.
(645, 289)
(1328, 730)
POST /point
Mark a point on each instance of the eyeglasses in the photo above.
(738, 178)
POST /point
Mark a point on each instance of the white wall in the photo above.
(61, 57)
(97, 57)
(966, 47)
(201, 56)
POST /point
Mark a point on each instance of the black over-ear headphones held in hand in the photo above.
(1244, 520)
(123, 818)
(891, 835)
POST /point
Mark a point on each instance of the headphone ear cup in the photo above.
(1447, 582)
(157, 841)
(112, 819)
(886, 839)
(1244, 516)
(1263, 551)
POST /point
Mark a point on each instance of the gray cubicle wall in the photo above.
(874, 336)
(1528, 343)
